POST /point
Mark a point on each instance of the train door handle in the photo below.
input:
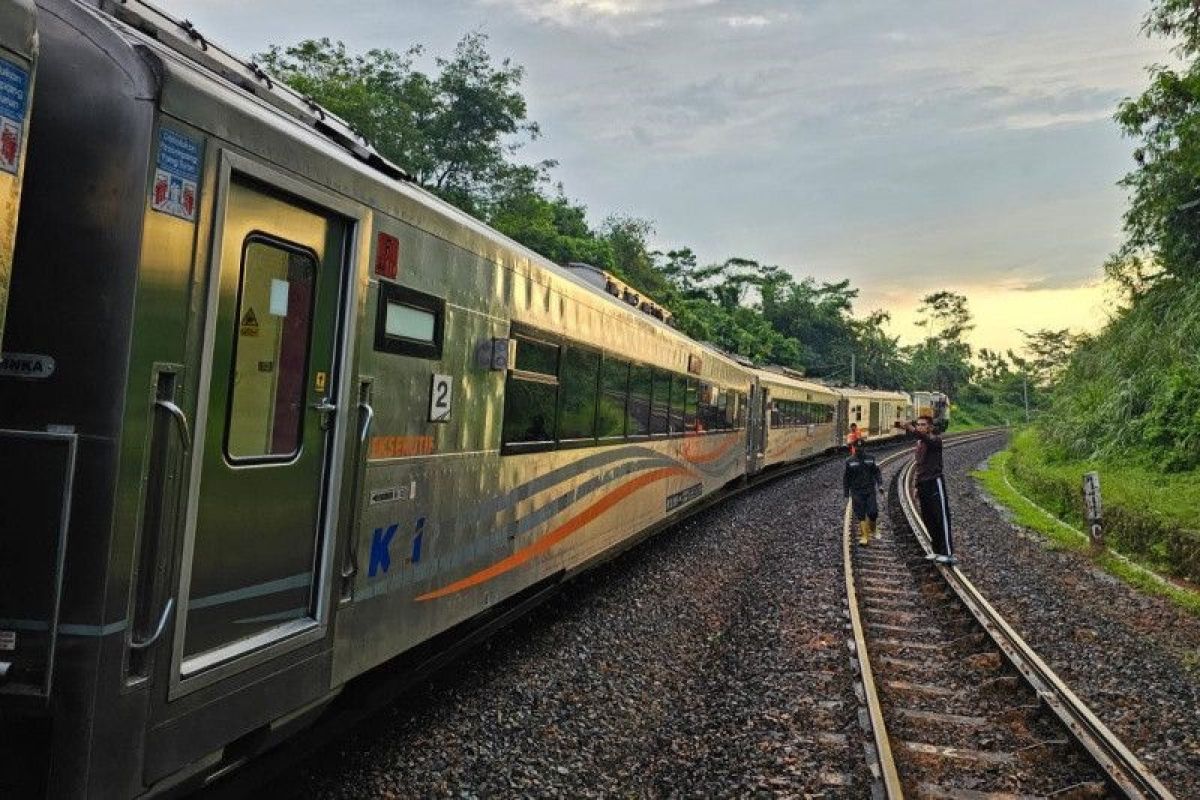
(368, 418)
(180, 420)
(158, 629)
(323, 406)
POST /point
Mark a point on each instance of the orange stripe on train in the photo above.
(704, 458)
(558, 534)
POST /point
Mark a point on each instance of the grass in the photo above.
(972, 416)
(999, 483)
(1173, 499)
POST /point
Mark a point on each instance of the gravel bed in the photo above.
(710, 661)
(1134, 659)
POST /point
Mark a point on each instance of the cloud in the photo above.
(756, 21)
(574, 13)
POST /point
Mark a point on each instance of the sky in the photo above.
(907, 146)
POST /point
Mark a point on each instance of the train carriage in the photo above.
(800, 420)
(874, 411)
(18, 58)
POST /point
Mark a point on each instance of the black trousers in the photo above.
(935, 512)
(864, 505)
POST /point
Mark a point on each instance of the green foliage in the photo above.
(1008, 491)
(1133, 392)
(1146, 515)
(455, 131)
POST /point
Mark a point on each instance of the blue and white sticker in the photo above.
(14, 97)
(176, 175)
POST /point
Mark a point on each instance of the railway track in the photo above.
(958, 706)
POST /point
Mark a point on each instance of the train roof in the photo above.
(877, 394)
(778, 378)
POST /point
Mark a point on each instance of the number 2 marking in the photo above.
(440, 396)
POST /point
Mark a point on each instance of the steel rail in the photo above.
(889, 775)
(1123, 769)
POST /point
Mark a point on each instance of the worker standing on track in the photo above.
(860, 480)
(931, 487)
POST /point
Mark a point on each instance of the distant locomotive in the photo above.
(284, 416)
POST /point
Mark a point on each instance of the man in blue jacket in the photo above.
(860, 480)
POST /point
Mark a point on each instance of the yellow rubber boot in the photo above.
(864, 532)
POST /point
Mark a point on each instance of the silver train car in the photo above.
(298, 417)
(18, 59)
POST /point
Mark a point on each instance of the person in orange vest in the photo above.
(853, 437)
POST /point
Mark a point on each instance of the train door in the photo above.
(873, 419)
(251, 579)
(756, 441)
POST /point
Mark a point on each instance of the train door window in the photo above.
(274, 318)
(408, 322)
(678, 402)
(708, 413)
(660, 402)
(531, 396)
(690, 406)
(640, 389)
(613, 399)
(577, 380)
(721, 417)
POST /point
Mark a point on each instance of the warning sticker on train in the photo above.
(177, 175)
(14, 93)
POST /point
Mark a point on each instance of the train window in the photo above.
(776, 418)
(689, 409)
(678, 400)
(660, 402)
(640, 379)
(709, 415)
(722, 420)
(614, 394)
(738, 405)
(535, 356)
(531, 396)
(270, 355)
(577, 395)
(408, 322)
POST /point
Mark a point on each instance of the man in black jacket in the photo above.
(860, 480)
(931, 487)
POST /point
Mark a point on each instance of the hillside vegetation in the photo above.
(1133, 392)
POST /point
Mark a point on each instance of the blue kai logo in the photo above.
(381, 547)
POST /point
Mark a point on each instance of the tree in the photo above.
(1049, 352)
(943, 360)
(456, 132)
(947, 310)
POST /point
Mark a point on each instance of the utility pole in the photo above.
(852, 369)
(1025, 392)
